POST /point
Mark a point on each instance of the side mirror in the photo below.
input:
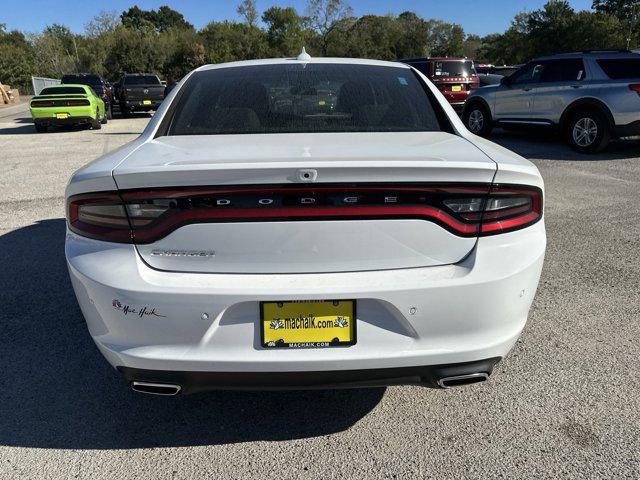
(506, 81)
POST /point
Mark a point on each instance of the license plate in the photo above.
(308, 324)
(62, 116)
(146, 102)
(456, 88)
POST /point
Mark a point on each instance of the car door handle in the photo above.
(576, 86)
(526, 89)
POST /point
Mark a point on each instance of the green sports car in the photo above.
(67, 105)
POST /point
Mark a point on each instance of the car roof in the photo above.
(590, 54)
(289, 61)
(436, 59)
(67, 85)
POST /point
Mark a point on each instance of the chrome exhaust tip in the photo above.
(166, 389)
(459, 380)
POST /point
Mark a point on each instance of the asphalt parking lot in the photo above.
(564, 404)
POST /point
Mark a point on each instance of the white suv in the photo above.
(589, 96)
(300, 223)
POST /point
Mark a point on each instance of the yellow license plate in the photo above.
(456, 88)
(62, 116)
(146, 102)
(308, 324)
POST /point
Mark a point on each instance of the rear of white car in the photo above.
(297, 224)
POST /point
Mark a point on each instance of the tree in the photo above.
(323, 17)
(132, 52)
(229, 41)
(247, 10)
(627, 11)
(185, 53)
(286, 31)
(16, 59)
(56, 51)
(156, 20)
(102, 24)
(374, 36)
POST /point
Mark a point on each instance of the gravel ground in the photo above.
(564, 404)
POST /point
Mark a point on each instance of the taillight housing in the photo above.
(145, 216)
(42, 103)
(77, 103)
(635, 87)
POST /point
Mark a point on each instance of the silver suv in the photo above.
(591, 97)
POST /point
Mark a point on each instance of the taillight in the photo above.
(635, 87)
(99, 215)
(511, 208)
(145, 216)
(42, 103)
(77, 103)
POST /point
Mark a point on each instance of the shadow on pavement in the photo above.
(56, 390)
(21, 130)
(545, 145)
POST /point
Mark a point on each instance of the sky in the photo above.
(476, 16)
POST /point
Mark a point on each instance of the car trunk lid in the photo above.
(241, 200)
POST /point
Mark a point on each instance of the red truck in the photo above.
(454, 77)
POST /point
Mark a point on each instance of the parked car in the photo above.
(67, 105)
(241, 242)
(489, 69)
(97, 83)
(591, 97)
(139, 92)
(486, 79)
(454, 77)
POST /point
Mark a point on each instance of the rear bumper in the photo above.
(138, 105)
(418, 317)
(192, 382)
(63, 121)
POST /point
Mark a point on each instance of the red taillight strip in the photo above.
(191, 205)
(503, 221)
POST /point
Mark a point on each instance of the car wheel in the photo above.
(477, 119)
(588, 132)
(104, 119)
(96, 124)
(41, 128)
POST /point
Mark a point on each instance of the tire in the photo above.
(41, 128)
(96, 124)
(477, 119)
(588, 131)
(104, 119)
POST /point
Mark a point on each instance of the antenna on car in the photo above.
(304, 56)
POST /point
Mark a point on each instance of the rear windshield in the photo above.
(447, 68)
(620, 68)
(82, 79)
(142, 80)
(303, 98)
(62, 91)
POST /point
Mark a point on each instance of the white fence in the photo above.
(40, 82)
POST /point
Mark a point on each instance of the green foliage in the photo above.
(554, 28)
(286, 31)
(159, 20)
(161, 41)
(628, 12)
(16, 60)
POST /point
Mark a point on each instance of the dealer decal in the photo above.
(141, 312)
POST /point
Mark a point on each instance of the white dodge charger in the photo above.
(300, 223)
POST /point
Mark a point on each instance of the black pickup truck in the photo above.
(139, 92)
